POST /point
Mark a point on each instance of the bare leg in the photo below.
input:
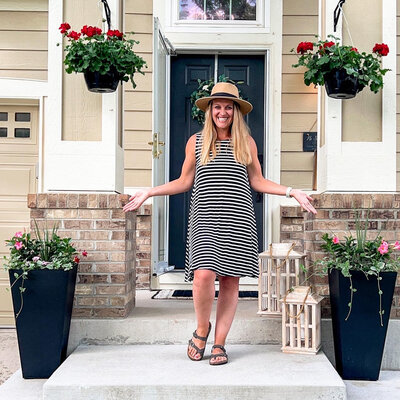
(203, 298)
(226, 308)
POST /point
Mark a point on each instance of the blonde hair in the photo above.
(240, 133)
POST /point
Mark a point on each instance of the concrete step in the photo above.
(147, 372)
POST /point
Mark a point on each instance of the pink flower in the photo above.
(335, 240)
(18, 245)
(383, 248)
(36, 258)
(18, 235)
(396, 245)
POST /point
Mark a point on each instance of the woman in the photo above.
(221, 161)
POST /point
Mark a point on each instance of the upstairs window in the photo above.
(217, 10)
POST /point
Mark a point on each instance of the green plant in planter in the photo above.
(46, 251)
(91, 50)
(372, 257)
(322, 57)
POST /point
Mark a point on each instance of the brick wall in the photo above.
(96, 223)
(336, 215)
(143, 247)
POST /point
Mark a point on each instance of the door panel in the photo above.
(250, 71)
(185, 70)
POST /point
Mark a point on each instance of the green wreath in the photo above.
(204, 90)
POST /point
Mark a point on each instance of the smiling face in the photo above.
(222, 114)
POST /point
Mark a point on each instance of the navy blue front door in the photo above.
(185, 71)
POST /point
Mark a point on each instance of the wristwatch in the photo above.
(288, 190)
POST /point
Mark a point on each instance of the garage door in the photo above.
(19, 147)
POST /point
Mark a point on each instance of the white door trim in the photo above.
(175, 279)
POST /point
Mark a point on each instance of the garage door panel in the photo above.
(18, 160)
(17, 180)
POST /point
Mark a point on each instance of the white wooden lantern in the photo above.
(301, 321)
(279, 271)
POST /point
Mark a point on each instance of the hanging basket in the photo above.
(340, 85)
(106, 83)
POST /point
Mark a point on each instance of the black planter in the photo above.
(340, 85)
(43, 324)
(106, 83)
(359, 341)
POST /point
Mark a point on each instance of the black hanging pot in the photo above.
(340, 85)
(44, 321)
(102, 83)
(359, 341)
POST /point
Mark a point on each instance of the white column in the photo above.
(79, 165)
(361, 166)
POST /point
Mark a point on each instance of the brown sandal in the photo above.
(192, 344)
(214, 356)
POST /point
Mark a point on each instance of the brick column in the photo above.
(96, 223)
(336, 216)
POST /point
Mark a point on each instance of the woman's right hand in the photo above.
(137, 200)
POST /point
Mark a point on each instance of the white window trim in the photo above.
(260, 25)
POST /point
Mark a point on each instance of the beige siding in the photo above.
(138, 102)
(398, 97)
(299, 102)
(23, 39)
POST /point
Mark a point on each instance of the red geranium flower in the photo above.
(90, 31)
(64, 27)
(304, 46)
(115, 33)
(76, 260)
(354, 49)
(328, 44)
(74, 35)
(84, 253)
(382, 49)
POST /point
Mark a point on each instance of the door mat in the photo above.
(187, 294)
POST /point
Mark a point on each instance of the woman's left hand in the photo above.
(303, 199)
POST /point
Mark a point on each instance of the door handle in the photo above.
(155, 143)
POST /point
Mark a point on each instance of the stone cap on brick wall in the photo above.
(77, 200)
(83, 200)
(356, 200)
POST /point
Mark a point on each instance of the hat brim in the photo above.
(245, 106)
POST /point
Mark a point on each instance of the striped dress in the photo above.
(222, 233)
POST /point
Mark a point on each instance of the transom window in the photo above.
(214, 10)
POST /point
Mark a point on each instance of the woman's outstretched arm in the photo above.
(180, 185)
(262, 185)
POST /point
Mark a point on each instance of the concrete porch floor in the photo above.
(178, 315)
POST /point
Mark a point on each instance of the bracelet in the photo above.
(288, 190)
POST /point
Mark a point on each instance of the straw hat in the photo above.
(228, 91)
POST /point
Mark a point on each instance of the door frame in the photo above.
(175, 279)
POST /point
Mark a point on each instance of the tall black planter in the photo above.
(359, 342)
(43, 324)
(340, 85)
(99, 83)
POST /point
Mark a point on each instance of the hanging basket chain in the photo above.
(108, 13)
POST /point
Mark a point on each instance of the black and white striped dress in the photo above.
(222, 233)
